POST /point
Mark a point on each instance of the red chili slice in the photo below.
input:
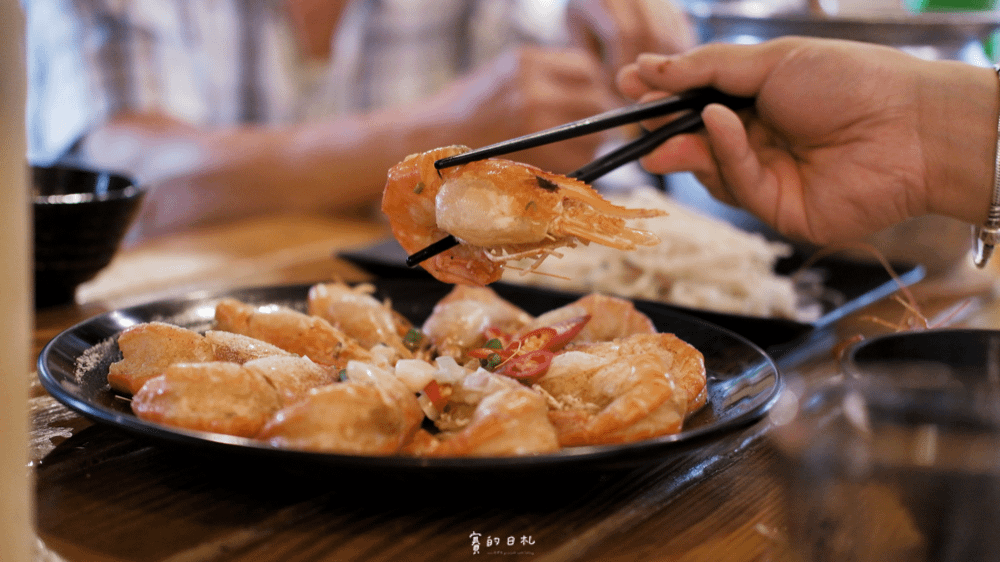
(487, 352)
(519, 359)
(481, 352)
(494, 333)
(566, 331)
(539, 338)
(435, 395)
(528, 367)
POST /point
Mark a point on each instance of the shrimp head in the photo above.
(500, 211)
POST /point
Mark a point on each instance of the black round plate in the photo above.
(743, 381)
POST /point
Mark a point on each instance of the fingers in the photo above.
(564, 85)
(553, 87)
(569, 68)
(667, 27)
(590, 25)
(738, 170)
(736, 69)
(630, 84)
(721, 158)
(617, 31)
(683, 153)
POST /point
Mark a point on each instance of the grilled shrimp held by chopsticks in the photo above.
(500, 211)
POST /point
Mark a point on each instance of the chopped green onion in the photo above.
(412, 339)
(419, 187)
(493, 360)
(493, 343)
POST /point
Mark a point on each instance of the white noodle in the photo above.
(701, 262)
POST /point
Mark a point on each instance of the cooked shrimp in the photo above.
(360, 315)
(500, 211)
(600, 400)
(292, 376)
(463, 389)
(149, 348)
(422, 444)
(511, 422)
(219, 397)
(238, 348)
(680, 360)
(458, 321)
(290, 330)
(371, 413)
(338, 418)
(611, 318)
(622, 391)
(490, 415)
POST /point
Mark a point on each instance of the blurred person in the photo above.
(845, 138)
(230, 108)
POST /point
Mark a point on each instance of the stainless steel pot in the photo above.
(937, 35)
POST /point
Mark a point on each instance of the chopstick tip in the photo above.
(444, 244)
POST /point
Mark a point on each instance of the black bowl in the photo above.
(925, 376)
(933, 427)
(80, 218)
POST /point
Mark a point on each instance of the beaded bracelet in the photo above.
(988, 235)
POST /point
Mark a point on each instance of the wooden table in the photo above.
(102, 494)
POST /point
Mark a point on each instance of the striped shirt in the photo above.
(217, 63)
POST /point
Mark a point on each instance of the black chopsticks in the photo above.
(692, 101)
(686, 101)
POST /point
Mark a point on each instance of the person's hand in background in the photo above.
(617, 31)
(525, 90)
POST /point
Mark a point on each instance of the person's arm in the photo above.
(844, 140)
(958, 115)
(202, 175)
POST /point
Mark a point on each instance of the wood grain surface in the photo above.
(103, 495)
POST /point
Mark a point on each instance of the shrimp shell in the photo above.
(610, 318)
(371, 413)
(616, 400)
(678, 359)
(510, 422)
(348, 418)
(219, 397)
(625, 390)
(360, 315)
(149, 348)
(290, 330)
(500, 211)
(458, 321)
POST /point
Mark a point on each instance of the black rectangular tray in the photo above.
(855, 285)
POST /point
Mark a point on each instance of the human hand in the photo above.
(617, 31)
(523, 91)
(846, 138)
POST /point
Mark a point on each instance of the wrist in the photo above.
(960, 128)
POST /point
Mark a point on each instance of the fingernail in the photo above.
(656, 61)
